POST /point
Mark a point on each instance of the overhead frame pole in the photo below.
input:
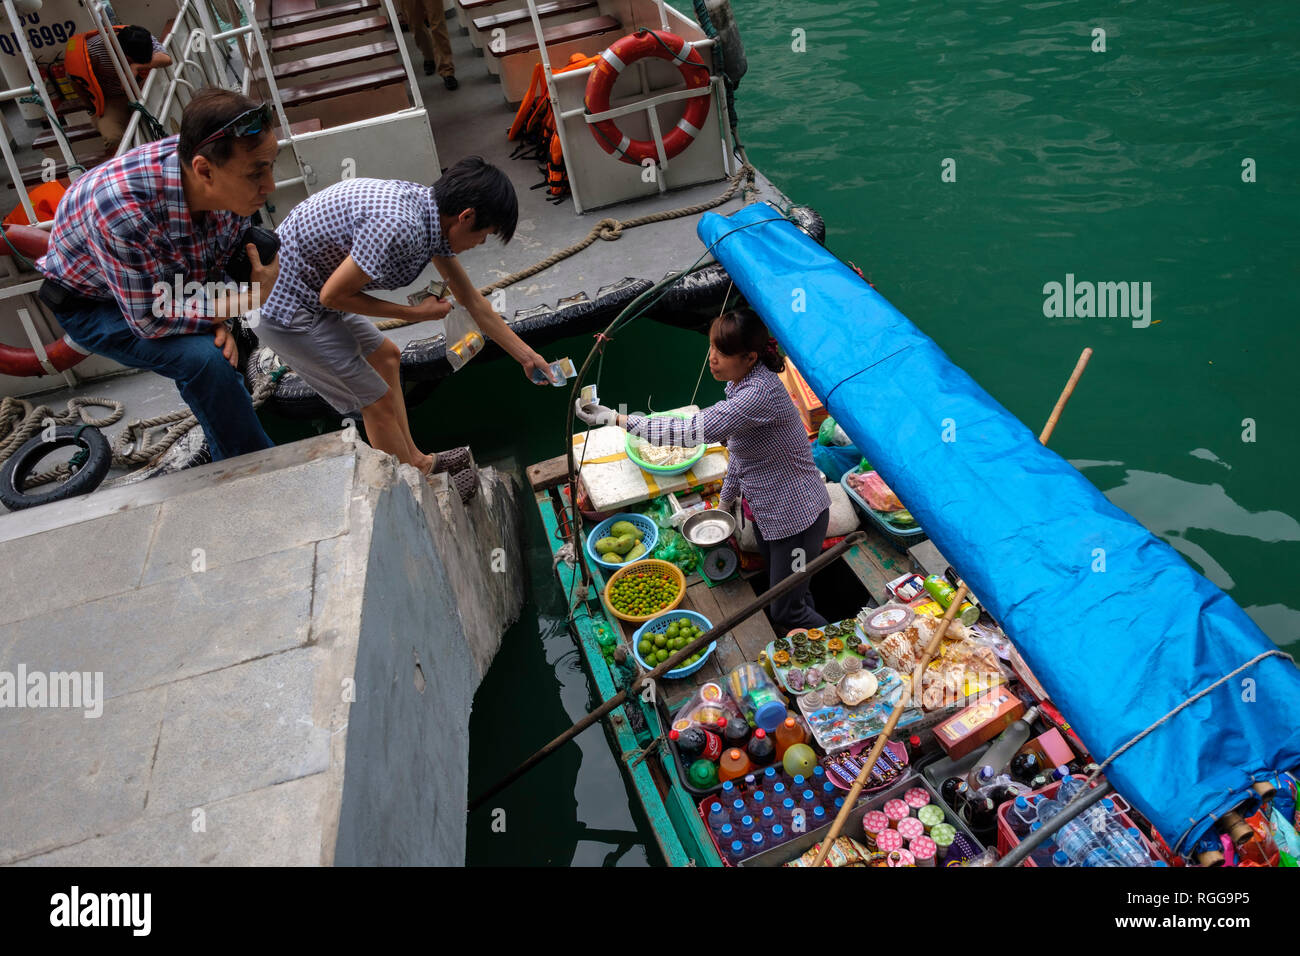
(551, 92)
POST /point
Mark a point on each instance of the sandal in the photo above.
(465, 482)
(452, 460)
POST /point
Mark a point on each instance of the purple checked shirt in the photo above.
(124, 227)
(390, 227)
(769, 457)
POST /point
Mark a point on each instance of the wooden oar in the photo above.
(865, 773)
(933, 646)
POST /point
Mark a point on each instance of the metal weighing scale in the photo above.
(711, 531)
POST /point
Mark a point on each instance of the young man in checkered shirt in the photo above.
(165, 215)
(361, 235)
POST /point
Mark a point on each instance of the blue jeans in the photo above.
(213, 390)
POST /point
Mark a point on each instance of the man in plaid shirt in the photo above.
(163, 217)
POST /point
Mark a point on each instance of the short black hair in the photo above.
(209, 110)
(136, 43)
(475, 184)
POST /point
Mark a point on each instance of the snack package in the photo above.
(845, 851)
(710, 704)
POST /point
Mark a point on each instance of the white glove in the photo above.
(595, 415)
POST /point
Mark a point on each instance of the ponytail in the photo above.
(740, 331)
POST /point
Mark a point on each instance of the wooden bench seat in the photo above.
(318, 14)
(35, 175)
(311, 64)
(342, 86)
(75, 134)
(512, 18)
(338, 31)
(561, 33)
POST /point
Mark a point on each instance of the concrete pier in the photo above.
(288, 645)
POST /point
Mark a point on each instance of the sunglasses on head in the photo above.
(248, 123)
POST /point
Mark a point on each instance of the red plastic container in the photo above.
(1008, 840)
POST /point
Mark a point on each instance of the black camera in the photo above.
(239, 267)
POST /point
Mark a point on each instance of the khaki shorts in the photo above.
(328, 351)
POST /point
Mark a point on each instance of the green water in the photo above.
(1117, 166)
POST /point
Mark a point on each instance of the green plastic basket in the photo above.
(632, 443)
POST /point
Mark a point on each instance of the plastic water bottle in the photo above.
(726, 835)
(757, 801)
(767, 820)
(819, 776)
(718, 817)
(808, 800)
(1021, 816)
(779, 835)
(1060, 859)
(1099, 816)
(736, 851)
(1042, 854)
(779, 793)
(747, 826)
(737, 810)
(828, 792)
(1069, 785)
(818, 818)
(839, 804)
(1077, 841)
(769, 776)
(799, 784)
(757, 844)
(729, 792)
(1126, 846)
(787, 810)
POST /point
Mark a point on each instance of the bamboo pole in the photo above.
(869, 764)
(1065, 396)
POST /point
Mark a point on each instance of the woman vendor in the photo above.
(769, 457)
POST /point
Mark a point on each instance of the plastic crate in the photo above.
(1007, 840)
(740, 785)
(903, 538)
(647, 527)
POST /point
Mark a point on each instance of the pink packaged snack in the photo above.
(897, 810)
(923, 851)
(900, 858)
(874, 822)
(917, 797)
(911, 828)
(887, 841)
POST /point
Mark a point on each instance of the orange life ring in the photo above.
(60, 356)
(627, 50)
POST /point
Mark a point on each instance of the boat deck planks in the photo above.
(875, 561)
(549, 473)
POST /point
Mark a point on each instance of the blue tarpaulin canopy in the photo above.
(1114, 623)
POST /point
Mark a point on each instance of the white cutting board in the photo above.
(613, 482)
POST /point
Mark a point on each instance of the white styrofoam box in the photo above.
(613, 482)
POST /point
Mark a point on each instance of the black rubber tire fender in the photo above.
(99, 458)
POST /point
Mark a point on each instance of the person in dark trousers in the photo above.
(428, 22)
(167, 214)
(770, 460)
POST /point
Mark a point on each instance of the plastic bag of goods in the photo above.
(710, 705)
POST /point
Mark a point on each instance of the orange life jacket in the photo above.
(534, 126)
(76, 58)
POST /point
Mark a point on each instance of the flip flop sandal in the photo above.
(453, 459)
(465, 482)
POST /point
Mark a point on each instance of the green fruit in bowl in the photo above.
(620, 528)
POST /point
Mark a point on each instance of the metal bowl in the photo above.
(708, 529)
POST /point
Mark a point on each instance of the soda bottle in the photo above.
(981, 815)
(703, 774)
(761, 750)
(913, 748)
(735, 732)
(787, 735)
(1025, 767)
(734, 764)
(948, 790)
(695, 743)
